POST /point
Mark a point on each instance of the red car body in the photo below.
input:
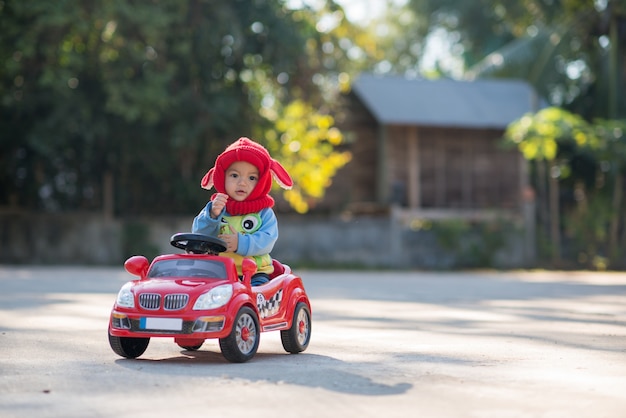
(165, 302)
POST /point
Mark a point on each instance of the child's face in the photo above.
(241, 179)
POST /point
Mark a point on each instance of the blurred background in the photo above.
(431, 134)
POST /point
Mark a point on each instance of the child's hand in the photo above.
(219, 201)
(231, 240)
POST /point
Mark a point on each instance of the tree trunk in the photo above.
(555, 219)
(614, 227)
(542, 180)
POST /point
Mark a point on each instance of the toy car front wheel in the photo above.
(127, 346)
(243, 341)
(296, 339)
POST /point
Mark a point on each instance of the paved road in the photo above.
(479, 344)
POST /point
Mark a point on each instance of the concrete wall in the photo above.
(360, 242)
(27, 238)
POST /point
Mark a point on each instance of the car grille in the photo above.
(150, 300)
(174, 302)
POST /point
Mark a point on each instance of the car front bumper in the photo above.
(124, 324)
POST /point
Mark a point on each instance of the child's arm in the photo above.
(205, 224)
(262, 241)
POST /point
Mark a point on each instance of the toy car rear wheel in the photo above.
(127, 346)
(243, 341)
(191, 347)
(296, 339)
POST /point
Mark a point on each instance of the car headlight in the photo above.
(125, 297)
(214, 298)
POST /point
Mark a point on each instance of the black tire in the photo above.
(243, 341)
(127, 346)
(191, 347)
(296, 339)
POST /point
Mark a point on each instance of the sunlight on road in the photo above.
(64, 311)
(481, 344)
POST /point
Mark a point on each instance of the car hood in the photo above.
(178, 285)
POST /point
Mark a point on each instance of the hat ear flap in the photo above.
(207, 180)
(280, 175)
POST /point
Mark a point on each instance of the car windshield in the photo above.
(206, 269)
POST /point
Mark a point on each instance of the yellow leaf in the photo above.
(304, 141)
(334, 136)
(529, 150)
(549, 149)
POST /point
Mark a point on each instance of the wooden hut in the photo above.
(433, 147)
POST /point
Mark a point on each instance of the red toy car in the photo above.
(198, 295)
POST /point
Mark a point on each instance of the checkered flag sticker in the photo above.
(269, 307)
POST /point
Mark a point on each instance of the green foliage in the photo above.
(146, 92)
(612, 142)
(587, 226)
(305, 142)
(568, 50)
(136, 240)
(591, 161)
(538, 135)
(475, 244)
(450, 233)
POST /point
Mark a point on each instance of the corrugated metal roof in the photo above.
(395, 100)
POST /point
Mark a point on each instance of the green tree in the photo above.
(568, 50)
(612, 169)
(562, 145)
(125, 104)
(548, 138)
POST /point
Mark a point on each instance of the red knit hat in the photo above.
(247, 150)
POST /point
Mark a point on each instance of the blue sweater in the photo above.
(257, 234)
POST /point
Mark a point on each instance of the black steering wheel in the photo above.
(198, 243)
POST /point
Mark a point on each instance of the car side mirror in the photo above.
(248, 268)
(137, 265)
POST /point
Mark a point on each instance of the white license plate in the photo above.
(165, 324)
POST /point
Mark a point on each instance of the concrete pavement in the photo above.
(392, 344)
